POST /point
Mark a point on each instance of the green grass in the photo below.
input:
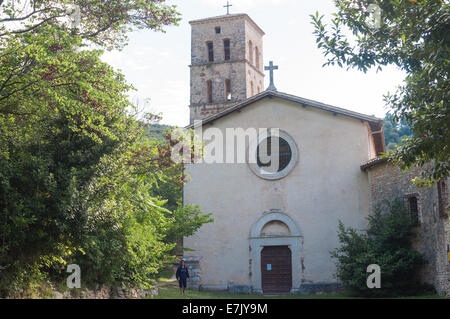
(165, 276)
(172, 292)
(168, 289)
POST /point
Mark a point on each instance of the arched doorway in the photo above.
(276, 249)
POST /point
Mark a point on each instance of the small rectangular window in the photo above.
(210, 51)
(228, 89)
(226, 46)
(413, 208)
(218, 30)
(209, 91)
(442, 199)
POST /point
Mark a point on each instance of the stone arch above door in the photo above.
(274, 216)
(275, 228)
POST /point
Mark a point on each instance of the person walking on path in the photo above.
(182, 276)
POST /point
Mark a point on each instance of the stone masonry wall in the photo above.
(388, 182)
(193, 264)
(240, 69)
(217, 73)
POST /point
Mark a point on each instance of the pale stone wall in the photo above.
(325, 186)
(217, 73)
(388, 182)
(254, 74)
(233, 28)
(257, 78)
(239, 29)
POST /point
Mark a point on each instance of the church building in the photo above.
(274, 229)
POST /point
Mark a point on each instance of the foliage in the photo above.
(157, 131)
(187, 220)
(413, 35)
(76, 171)
(61, 111)
(388, 243)
(394, 131)
(101, 22)
(124, 240)
(169, 185)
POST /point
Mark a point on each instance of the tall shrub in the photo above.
(387, 242)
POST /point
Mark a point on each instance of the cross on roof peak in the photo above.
(228, 7)
(271, 68)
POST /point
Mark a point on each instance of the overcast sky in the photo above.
(157, 63)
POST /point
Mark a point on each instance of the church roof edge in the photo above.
(292, 98)
(229, 17)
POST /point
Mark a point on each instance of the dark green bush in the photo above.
(388, 243)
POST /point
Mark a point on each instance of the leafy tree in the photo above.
(412, 35)
(124, 240)
(61, 111)
(187, 220)
(102, 22)
(168, 186)
(76, 170)
(388, 243)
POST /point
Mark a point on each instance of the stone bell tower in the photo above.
(226, 63)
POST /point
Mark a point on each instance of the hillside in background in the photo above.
(394, 132)
(156, 131)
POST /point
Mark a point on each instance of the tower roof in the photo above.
(228, 17)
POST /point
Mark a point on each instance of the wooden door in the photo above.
(276, 269)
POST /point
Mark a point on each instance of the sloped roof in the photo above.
(374, 162)
(292, 98)
(375, 124)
